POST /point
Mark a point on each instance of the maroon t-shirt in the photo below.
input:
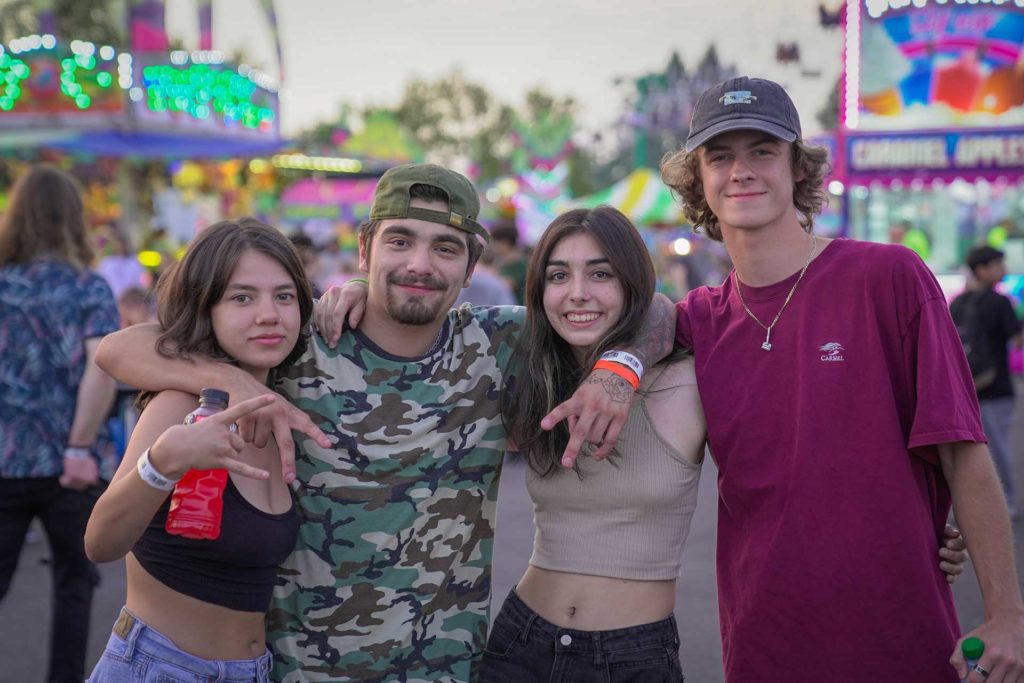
(832, 500)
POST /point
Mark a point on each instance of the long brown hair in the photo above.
(189, 289)
(45, 216)
(681, 172)
(547, 370)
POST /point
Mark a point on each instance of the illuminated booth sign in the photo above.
(200, 95)
(923, 64)
(43, 83)
(82, 86)
(935, 155)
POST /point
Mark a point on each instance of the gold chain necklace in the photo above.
(767, 345)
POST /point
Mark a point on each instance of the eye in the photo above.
(556, 276)
(286, 297)
(241, 298)
(603, 275)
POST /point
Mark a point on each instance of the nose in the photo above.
(578, 290)
(741, 169)
(266, 312)
(420, 261)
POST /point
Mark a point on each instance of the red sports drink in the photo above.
(198, 499)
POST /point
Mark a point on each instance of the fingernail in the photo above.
(566, 462)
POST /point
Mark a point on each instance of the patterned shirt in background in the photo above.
(47, 311)
(391, 577)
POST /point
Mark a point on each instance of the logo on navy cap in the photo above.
(737, 97)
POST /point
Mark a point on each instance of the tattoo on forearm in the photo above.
(617, 388)
(657, 334)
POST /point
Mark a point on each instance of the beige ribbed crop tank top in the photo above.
(629, 516)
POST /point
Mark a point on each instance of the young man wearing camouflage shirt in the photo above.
(390, 579)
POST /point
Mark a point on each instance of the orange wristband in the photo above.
(620, 370)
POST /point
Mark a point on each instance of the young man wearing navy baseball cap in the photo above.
(854, 429)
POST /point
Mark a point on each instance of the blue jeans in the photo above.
(523, 647)
(135, 652)
(996, 417)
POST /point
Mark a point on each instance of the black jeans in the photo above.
(64, 514)
(524, 648)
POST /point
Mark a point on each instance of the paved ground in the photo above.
(24, 613)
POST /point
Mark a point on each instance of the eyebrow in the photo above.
(253, 288)
(761, 140)
(408, 232)
(591, 262)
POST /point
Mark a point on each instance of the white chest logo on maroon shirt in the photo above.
(833, 352)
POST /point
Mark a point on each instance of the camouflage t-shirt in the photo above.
(391, 576)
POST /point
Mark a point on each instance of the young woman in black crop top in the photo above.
(196, 607)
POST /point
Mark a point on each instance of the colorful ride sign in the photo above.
(82, 86)
(42, 82)
(931, 64)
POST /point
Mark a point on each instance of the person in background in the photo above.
(510, 258)
(53, 398)
(195, 607)
(841, 415)
(310, 261)
(994, 325)
(487, 287)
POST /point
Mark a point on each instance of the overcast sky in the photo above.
(364, 51)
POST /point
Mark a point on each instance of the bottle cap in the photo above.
(973, 648)
(217, 395)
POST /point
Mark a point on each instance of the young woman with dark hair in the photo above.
(196, 607)
(598, 596)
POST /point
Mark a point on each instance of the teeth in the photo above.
(581, 317)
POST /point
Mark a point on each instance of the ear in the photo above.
(469, 276)
(364, 261)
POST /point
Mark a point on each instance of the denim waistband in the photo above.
(535, 626)
(139, 636)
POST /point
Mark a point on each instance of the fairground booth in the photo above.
(129, 123)
(930, 152)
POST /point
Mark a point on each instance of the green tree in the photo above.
(828, 116)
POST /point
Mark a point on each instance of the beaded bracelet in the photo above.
(620, 370)
(149, 474)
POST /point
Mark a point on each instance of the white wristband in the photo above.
(149, 474)
(77, 453)
(627, 359)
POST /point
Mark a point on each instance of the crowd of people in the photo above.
(366, 435)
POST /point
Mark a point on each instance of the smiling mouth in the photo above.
(582, 317)
(745, 195)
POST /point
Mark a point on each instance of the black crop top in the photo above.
(238, 570)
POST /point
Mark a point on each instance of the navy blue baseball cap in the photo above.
(743, 104)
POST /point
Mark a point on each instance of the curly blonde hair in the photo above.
(681, 172)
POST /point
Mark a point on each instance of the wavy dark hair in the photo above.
(187, 292)
(681, 172)
(45, 215)
(547, 370)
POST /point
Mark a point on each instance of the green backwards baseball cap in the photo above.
(392, 196)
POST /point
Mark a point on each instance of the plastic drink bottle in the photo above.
(198, 499)
(973, 648)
